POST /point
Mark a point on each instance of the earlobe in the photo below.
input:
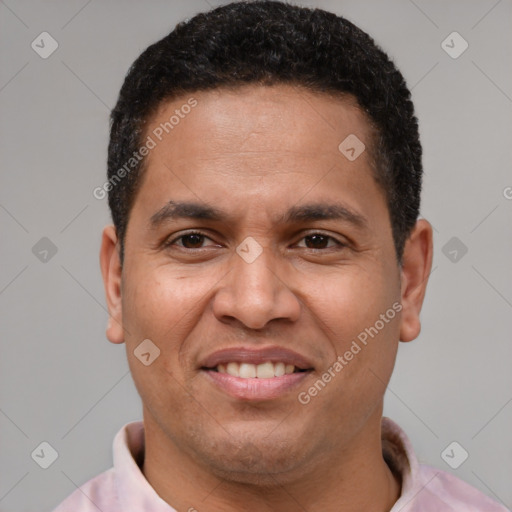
(416, 267)
(111, 270)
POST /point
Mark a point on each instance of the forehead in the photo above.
(257, 121)
(256, 142)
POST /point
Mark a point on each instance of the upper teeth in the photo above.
(261, 371)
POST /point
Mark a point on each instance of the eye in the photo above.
(191, 240)
(320, 241)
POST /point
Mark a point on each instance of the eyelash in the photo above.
(171, 242)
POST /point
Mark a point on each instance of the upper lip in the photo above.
(256, 356)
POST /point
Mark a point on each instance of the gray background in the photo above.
(63, 383)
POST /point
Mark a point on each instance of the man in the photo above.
(265, 260)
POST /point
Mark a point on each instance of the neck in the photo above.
(355, 478)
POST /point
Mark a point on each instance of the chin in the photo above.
(266, 462)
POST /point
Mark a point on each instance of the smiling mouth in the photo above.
(266, 370)
(256, 375)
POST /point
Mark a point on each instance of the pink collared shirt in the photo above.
(123, 488)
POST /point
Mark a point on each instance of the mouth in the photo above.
(248, 374)
(266, 370)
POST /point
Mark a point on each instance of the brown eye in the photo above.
(319, 241)
(316, 241)
(192, 240)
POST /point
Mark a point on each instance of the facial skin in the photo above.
(254, 153)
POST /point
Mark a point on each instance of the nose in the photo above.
(254, 294)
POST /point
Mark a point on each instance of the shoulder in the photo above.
(451, 493)
(99, 493)
(425, 487)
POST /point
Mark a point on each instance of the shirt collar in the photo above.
(134, 491)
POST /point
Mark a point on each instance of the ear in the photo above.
(415, 271)
(111, 270)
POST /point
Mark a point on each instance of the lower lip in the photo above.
(255, 389)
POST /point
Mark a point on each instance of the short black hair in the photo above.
(268, 42)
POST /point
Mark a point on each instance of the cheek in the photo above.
(160, 307)
(357, 311)
(350, 300)
(157, 303)
(164, 306)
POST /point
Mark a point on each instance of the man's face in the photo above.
(309, 280)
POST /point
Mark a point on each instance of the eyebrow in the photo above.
(325, 211)
(186, 210)
(174, 210)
